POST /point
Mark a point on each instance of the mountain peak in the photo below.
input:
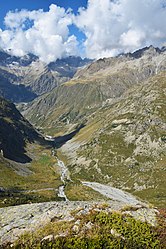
(151, 51)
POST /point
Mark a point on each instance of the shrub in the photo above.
(106, 231)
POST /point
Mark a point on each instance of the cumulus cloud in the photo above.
(117, 26)
(45, 34)
(110, 27)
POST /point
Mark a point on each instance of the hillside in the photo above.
(96, 85)
(15, 131)
(25, 160)
(123, 143)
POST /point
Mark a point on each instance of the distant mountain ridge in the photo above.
(24, 78)
(99, 83)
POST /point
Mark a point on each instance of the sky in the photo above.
(53, 29)
(11, 5)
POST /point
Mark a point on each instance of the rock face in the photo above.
(24, 78)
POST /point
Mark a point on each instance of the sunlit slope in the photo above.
(98, 84)
(124, 143)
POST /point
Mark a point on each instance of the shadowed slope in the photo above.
(15, 131)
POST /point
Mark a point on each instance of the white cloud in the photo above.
(45, 34)
(112, 27)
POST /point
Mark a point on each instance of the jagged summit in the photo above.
(151, 51)
(7, 58)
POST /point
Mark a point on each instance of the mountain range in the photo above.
(120, 103)
(98, 84)
(85, 141)
(106, 118)
(24, 78)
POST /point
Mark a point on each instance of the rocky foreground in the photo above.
(17, 220)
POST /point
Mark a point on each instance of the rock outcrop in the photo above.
(15, 221)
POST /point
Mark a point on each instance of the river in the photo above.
(105, 190)
(64, 177)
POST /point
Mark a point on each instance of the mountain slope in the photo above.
(14, 92)
(96, 85)
(15, 131)
(123, 144)
(25, 161)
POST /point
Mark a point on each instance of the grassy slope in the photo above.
(130, 155)
(101, 81)
(31, 187)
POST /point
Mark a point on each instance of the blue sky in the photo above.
(37, 4)
(8, 5)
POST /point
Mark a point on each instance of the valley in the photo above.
(106, 124)
(87, 133)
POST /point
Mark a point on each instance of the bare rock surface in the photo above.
(17, 220)
(113, 193)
